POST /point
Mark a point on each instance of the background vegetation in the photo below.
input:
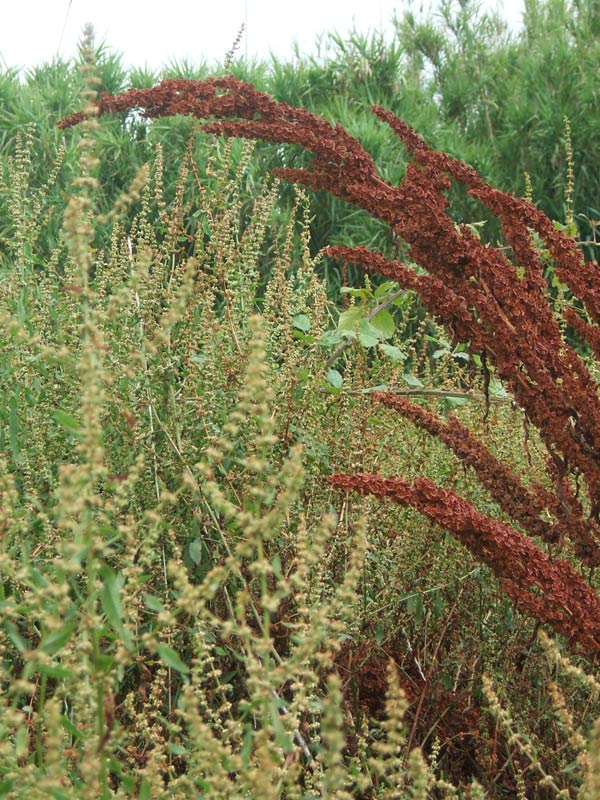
(493, 98)
(186, 609)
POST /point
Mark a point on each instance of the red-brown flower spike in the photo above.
(550, 590)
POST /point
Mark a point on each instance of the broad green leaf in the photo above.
(171, 658)
(71, 728)
(349, 319)
(454, 402)
(381, 387)
(54, 670)
(276, 564)
(303, 337)
(368, 336)
(282, 737)
(384, 323)
(497, 389)
(247, 746)
(302, 322)
(412, 380)
(414, 605)
(392, 352)
(145, 790)
(177, 749)
(19, 641)
(355, 292)
(331, 338)
(21, 740)
(334, 378)
(405, 299)
(13, 426)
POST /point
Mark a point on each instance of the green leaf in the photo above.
(384, 323)
(13, 426)
(21, 740)
(153, 603)
(349, 319)
(54, 671)
(282, 737)
(58, 794)
(381, 387)
(303, 337)
(56, 640)
(405, 299)
(455, 402)
(145, 790)
(387, 287)
(497, 389)
(195, 548)
(67, 421)
(334, 378)
(276, 564)
(368, 336)
(302, 322)
(110, 597)
(392, 352)
(177, 749)
(19, 642)
(412, 380)
(247, 745)
(331, 338)
(71, 728)
(355, 292)
(414, 605)
(171, 658)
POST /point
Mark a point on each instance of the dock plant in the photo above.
(497, 300)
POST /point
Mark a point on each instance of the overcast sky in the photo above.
(155, 34)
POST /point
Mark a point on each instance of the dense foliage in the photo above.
(187, 607)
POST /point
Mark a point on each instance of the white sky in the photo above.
(152, 33)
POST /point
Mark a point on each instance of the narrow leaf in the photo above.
(171, 658)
